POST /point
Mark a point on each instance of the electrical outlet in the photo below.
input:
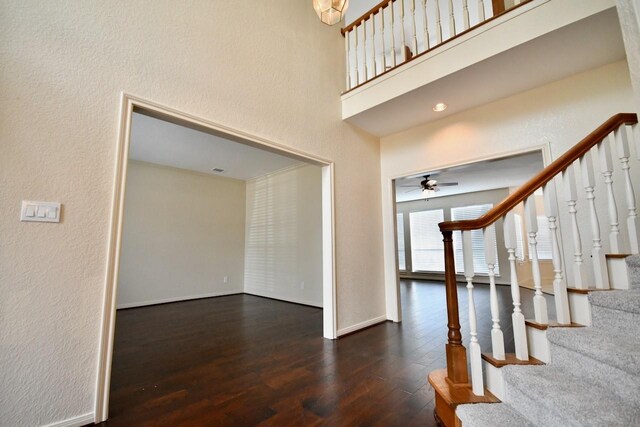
(226, 279)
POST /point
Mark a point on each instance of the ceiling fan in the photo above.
(429, 185)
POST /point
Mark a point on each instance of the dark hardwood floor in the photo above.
(243, 360)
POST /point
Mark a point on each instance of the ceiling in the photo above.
(157, 141)
(492, 174)
(581, 46)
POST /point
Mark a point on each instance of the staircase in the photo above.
(592, 379)
(583, 367)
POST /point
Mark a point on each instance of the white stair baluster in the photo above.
(571, 196)
(531, 225)
(403, 49)
(635, 130)
(393, 35)
(606, 168)
(438, 23)
(465, 15)
(382, 44)
(622, 148)
(517, 318)
(355, 35)
(477, 382)
(413, 21)
(601, 276)
(561, 298)
(481, 16)
(452, 20)
(364, 50)
(426, 26)
(348, 54)
(373, 44)
(497, 338)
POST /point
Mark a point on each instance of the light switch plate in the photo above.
(40, 211)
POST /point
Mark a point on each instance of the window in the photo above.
(401, 251)
(543, 238)
(477, 238)
(427, 248)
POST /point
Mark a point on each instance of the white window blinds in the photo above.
(543, 238)
(477, 238)
(427, 248)
(401, 248)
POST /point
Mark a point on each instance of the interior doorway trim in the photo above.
(389, 226)
(130, 103)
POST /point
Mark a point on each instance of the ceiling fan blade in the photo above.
(447, 184)
(411, 191)
(409, 186)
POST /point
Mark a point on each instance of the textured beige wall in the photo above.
(183, 233)
(269, 69)
(284, 236)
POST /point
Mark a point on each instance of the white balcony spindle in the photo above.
(560, 296)
(413, 22)
(373, 44)
(382, 44)
(517, 318)
(635, 129)
(622, 148)
(571, 197)
(475, 355)
(355, 36)
(531, 224)
(481, 16)
(403, 36)
(393, 35)
(452, 20)
(426, 26)
(606, 168)
(347, 41)
(601, 277)
(438, 23)
(364, 50)
(465, 15)
(497, 338)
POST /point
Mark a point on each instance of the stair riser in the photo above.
(620, 382)
(616, 321)
(618, 273)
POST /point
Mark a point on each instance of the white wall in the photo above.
(284, 236)
(183, 233)
(559, 115)
(629, 15)
(272, 71)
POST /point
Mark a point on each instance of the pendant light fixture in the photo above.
(331, 11)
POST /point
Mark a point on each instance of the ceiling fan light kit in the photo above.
(331, 11)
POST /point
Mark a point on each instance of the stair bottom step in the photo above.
(491, 414)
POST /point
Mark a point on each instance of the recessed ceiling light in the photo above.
(440, 106)
(217, 170)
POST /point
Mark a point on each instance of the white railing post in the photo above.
(393, 35)
(517, 318)
(481, 15)
(403, 49)
(364, 50)
(560, 297)
(438, 23)
(497, 338)
(355, 36)
(426, 26)
(622, 146)
(601, 276)
(531, 224)
(571, 196)
(347, 40)
(384, 50)
(606, 168)
(465, 15)
(413, 21)
(452, 20)
(373, 44)
(477, 382)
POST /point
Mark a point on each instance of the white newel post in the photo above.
(475, 355)
(606, 168)
(561, 297)
(497, 338)
(622, 148)
(598, 259)
(571, 196)
(531, 224)
(517, 318)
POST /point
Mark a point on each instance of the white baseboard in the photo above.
(78, 421)
(281, 298)
(176, 299)
(362, 325)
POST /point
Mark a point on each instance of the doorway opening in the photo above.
(201, 210)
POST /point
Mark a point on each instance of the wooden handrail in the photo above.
(375, 9)
(546, 175)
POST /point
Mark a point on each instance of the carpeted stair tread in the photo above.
(491, 414)
(628, 301)
(557, 398)
(622, 352)
(633, 266)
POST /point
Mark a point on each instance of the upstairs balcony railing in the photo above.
(396, 31)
